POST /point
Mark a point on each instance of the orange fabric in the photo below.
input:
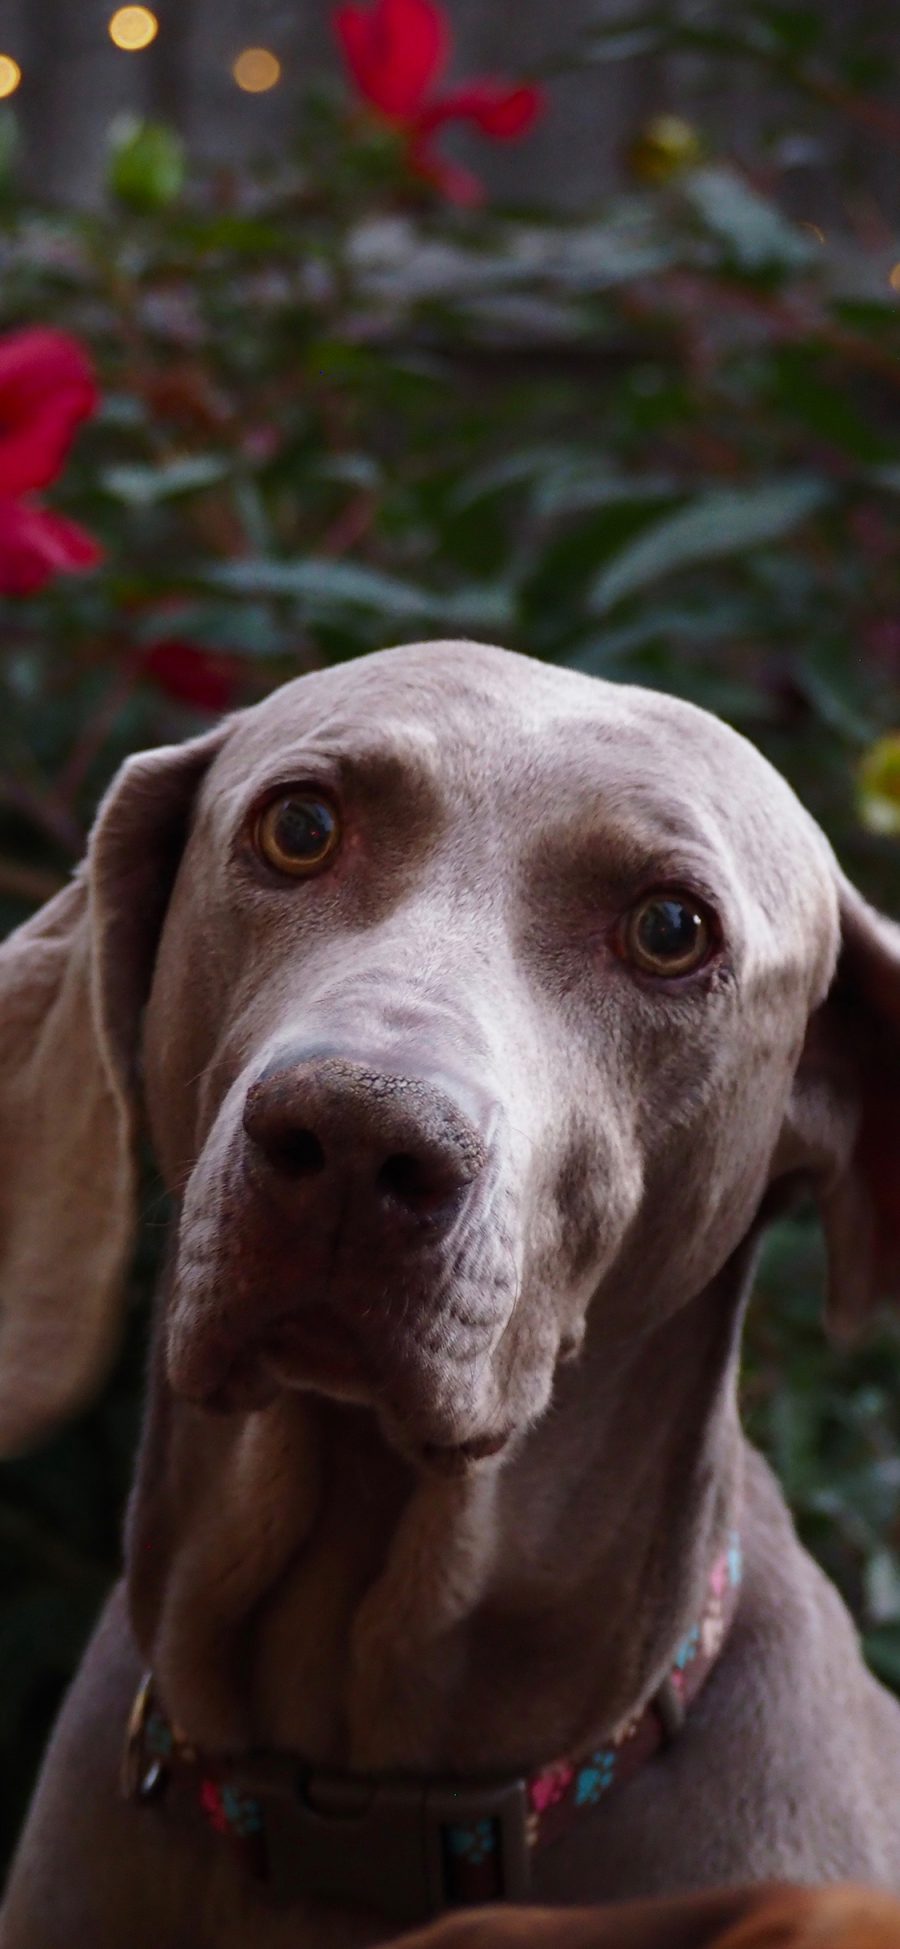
(725, 1918)
(819, 1918)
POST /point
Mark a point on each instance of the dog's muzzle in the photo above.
(353, 1249)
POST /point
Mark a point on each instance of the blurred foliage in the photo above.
(659, 441)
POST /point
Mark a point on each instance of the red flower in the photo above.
(46, 389)
(395, 51)
(203, 678)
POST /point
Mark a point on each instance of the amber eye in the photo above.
(296, 833)
(667, 934)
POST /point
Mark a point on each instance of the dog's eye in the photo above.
(296, 833)
(667, 934)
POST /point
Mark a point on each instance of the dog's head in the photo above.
(477, 997)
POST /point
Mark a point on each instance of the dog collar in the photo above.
(404, 1846)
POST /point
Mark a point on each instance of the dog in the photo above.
(480, 1015)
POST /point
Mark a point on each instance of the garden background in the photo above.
(640, 415)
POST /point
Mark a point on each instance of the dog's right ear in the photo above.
(73, 982)
(843, 1125)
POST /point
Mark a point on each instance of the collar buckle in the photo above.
(401, 1847)
(141, 1775)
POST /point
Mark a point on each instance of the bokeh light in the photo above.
(894, 278)
(10, 76)
(133, 28)
(256, 69)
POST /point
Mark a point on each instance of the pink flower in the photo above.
(46, 389)
(395, 51)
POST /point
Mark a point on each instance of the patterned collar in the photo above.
(404, 1846)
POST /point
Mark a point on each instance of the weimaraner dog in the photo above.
(480, 1015)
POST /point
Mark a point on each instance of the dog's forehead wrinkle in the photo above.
(400, 702)
(433, 685)
(399, 754)
(427, 691)
(450, 701)
(623, 779)
(571, 781)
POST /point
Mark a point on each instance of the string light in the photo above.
(10, 76)
(133, 28)
(894, 278)
(256, 70)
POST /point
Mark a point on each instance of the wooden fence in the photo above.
(75, 81)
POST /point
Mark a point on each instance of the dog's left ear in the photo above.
(844, 1121)
(73, 983)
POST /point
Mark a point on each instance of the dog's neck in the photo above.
(294, 1583)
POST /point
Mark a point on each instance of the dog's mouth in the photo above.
(334, 1362)
(456, 1458)
(320, 1352)
(230, 1374)
(316, 1351)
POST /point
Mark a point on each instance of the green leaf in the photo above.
(799, 29)
(514, 470)
(583, 484)
(755, 235)
(320, 581)
(360, 470)
(729, 521)
(248, 235)
(148, 163)
(121, 410)
(142, 486)
(614, 43)
(715, 622)
(562, 481)
(882, 1649)
(252, 513)
(9, 145)
(836, 688)
(326, 585)
(629, 244)
(887, 477)
(883, 1588)
(804, 392)
(240, 628)
(487, 606)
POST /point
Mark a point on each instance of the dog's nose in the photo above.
(337, 1131)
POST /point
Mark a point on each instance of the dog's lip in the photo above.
(317, 1349)
(451, 1458)
(310, 1351)
(240, 1391)
(313, 1350)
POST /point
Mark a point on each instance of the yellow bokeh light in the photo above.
(894, 278)
(10, 76)
(256, 70)
(133, 28)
